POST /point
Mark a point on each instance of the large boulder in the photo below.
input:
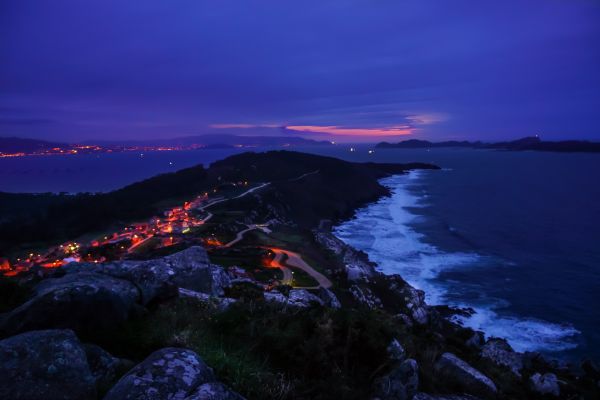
(83, 302)
(159, 278)
(45, 365)
(214, 391)
(400, 384)
(499, 352)
(546, 384)
(169, 373)
(463, 376)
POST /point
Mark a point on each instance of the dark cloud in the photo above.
(445, 69)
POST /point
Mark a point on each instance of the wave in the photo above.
(384, 230)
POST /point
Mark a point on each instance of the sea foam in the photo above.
(384, 230)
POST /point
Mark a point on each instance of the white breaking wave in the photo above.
(383, 230)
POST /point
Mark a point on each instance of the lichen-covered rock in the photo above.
(214, 391)
(48, 365)
(82, 302)
(546, 384)
(500, 353)
(460, 374)
(168, 373)
(400, 384)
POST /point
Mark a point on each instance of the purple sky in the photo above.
(116, 69)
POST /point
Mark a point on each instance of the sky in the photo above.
(346, 70)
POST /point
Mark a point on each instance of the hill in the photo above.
(532, 143)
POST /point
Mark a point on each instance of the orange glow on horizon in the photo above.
(399, 130)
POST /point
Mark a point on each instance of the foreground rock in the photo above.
(400, 384)
(462, 375)
(45, 365)
(66, 303)
(546, 384)
(169, 373)
(188, 269)
(114, 291)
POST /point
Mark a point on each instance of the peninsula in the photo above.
(226, 282)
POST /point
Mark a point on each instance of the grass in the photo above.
(263, 351)
(302, 279)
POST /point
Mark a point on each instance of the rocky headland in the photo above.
(203, 323)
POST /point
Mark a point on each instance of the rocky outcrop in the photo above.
(400, 384)
(45, 365)
(301, 298)
(171, 373)
(500, 353)
(219, 303)
(364, 296)
(546, 384)
(113, 291)
(214, 391)
(168, 373)
(189, 269)
(462, 375)
(414, 299)
(66, 302)
(356, 263)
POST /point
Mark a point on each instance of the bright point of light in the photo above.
(351, 148)
(371, 151)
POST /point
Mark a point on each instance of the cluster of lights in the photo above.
(178, 220)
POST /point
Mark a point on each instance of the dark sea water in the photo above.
(515, 235)
(96, 172)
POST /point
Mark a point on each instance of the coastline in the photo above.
(422, 262)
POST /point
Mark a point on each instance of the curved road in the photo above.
(296, 261)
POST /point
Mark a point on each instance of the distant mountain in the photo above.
(218, 140)
(20, 145)
(531, 143)
(416, 144)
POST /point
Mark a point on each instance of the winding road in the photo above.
(296, 261)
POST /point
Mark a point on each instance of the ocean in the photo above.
(513, 235)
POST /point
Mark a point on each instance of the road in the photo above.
(296, 261)
(247, 192)
(240, 234)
